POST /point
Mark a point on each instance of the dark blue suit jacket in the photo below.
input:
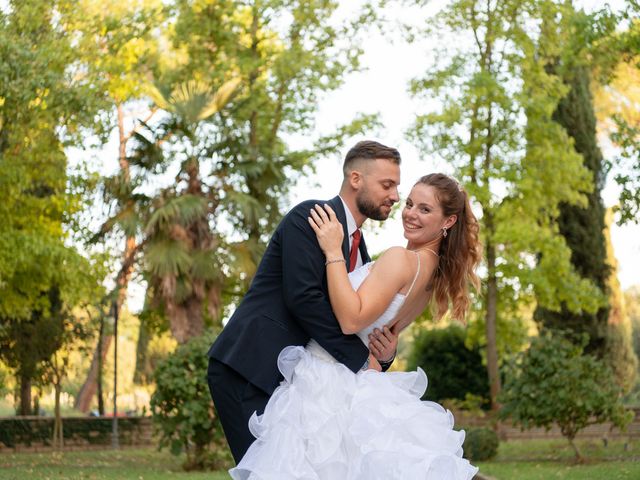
(287, 304)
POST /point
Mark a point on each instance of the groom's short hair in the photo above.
(368, 150)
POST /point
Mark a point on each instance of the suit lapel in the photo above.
(338, 207)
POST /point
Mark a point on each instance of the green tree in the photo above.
(632, 306)
(554, 382)
(76, 327)
(42, 109)
(619, 351)
(181, 250)
(118, 51)
(631, 300)
(454, 370)
(495, 128)
(233, 165)
(616, 103)
(618, 109)
(182, 408)
(583, 226)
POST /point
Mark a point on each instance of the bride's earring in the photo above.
(444, 232)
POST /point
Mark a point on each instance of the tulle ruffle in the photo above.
(326, 423)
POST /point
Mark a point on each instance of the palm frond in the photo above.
(183, 290)
(167, 258)
(181, 210)
(160, 97)
(194, 100)
(220, 98)
(206, 266)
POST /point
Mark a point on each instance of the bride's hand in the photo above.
(328, 230)
(373, 363)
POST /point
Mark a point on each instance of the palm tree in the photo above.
(181, 252)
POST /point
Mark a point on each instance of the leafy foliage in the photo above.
(494, 126)
(453, 369)
(229, 97)
(582, 226)
(480, 444)
(553, 382)
(619, 351)
(21, 432)
(42, 108)
(182, 408)
(617, 108)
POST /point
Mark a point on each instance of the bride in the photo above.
(326, 422)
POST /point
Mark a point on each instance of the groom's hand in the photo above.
(383, 344)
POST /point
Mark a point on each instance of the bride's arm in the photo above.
(356, 310)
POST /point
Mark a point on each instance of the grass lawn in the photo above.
(554, 459)
(516, 460)
(138, 464)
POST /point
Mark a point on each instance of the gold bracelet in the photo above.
(337, 260)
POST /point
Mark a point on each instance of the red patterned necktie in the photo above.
(353, 254)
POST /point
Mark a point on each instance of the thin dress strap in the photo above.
(415, 277)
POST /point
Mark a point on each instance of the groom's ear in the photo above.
(355, 178)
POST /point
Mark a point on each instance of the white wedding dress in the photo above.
(325, 422)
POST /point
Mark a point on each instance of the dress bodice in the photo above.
(356, 277)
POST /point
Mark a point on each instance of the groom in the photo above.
(288, 303)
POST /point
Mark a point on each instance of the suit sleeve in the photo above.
(303, 272)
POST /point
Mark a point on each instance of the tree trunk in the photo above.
(579, 457)
(100, 369)
(185, 319)
(58, 436)
(491, 324)
(194, 309)
(88, 389)
(142, 370)
(25, 396)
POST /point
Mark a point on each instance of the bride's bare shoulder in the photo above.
(394, 258)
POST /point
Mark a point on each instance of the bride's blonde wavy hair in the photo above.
(460, 251)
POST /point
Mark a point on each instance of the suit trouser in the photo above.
(235, 400)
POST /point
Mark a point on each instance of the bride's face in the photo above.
(422, 217)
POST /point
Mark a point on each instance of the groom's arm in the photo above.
(303, 271)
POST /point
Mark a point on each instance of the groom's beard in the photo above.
(372, 211)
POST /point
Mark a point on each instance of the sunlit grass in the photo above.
(554, 459)
(134, 464)
(516, 460)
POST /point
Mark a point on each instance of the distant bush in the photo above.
(554, 382)
(183, 411)
(480, 444)
(453, 369)
(4, 377)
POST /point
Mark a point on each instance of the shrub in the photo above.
(4, 377)
(183, 411)
(480, 444)
(454, 370)
(554, 382)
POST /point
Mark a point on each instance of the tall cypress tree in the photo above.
(583, 227)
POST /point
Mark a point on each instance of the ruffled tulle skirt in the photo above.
(325, 422)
